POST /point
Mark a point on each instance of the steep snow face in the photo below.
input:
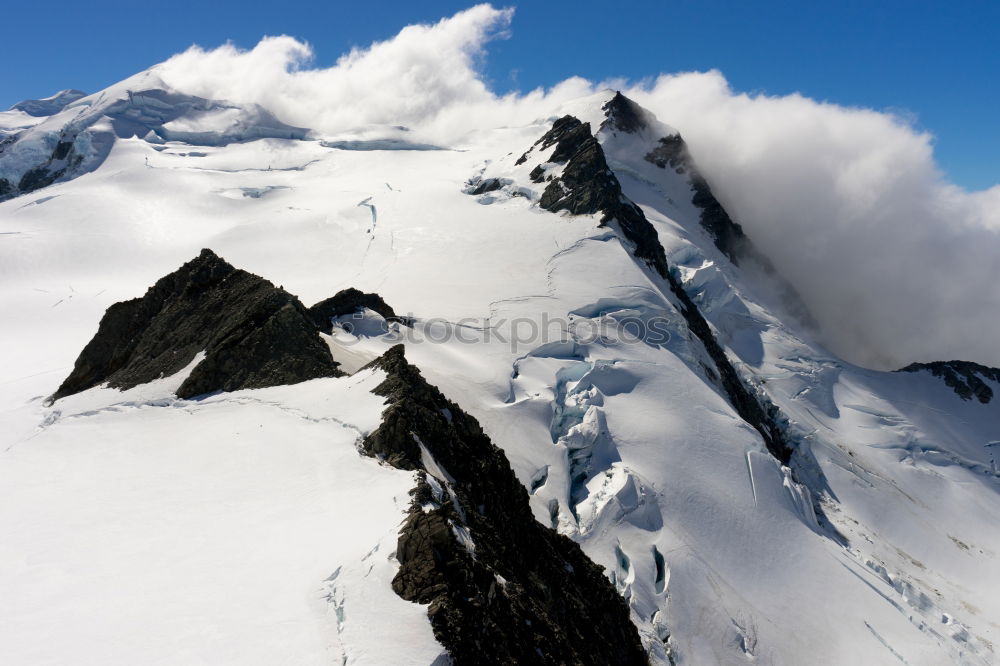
(49, 106)
(875, 545)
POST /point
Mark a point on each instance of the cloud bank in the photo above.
(895, 263)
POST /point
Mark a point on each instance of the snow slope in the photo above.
(236, 529)
(211, 529)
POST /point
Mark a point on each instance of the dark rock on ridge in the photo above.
(751, 403)
(537, 174)
(349, 301)
(253, 334)
(568, 132)
(625, 115)
(63, 158)
(728, 235)
(962, 377)
(670, 151)
(484, 186)
(588, 186)
(501, 587)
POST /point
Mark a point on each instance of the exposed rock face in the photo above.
(253, 334)
(727, 235)
(501, 587)
(587, 186)
(484, 186)
(672, 152)
(962, 377)
(62, 159)
(624, 115)
(349, 301)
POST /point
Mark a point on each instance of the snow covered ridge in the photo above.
(79, 131)
(579, 180)
(501, 587)
(750, 497)
(50, 105)
(578, 177)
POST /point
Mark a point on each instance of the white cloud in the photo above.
(424, 71)
(895, 263)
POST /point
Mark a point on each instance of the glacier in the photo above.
(750, 496)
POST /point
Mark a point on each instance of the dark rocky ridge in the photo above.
(527, 595)
(349, 301)
(588, 186)
(624, 115)
(962, 377)
(727, 234)
(253, 334)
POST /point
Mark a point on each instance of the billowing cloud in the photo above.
(422, 72)
(894, 262)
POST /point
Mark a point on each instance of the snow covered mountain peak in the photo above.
(546, 407)
(78, 134)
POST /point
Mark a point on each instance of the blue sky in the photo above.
(936, 62)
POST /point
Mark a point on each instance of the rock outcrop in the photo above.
(624, 115)
(728, 235)
(349, 301)
(587, 186)
(501, 587)
(63, 158)
(962, 376)
(253, 335)
(671, 151)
